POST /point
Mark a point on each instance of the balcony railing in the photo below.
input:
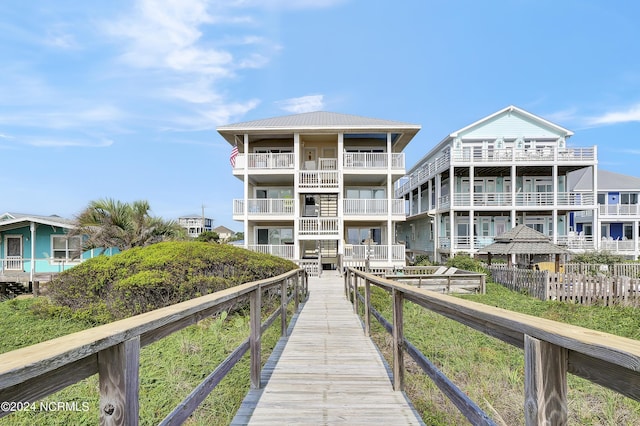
(318, 226)
(373, 252)
(619, 209)
(618, 246)
(373, 160)
(318, 179)
(267, 161)
(265, 206)
(372, 207)
(506, 155)
(285, 251)
(521, 199)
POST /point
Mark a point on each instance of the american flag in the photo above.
(234, 154)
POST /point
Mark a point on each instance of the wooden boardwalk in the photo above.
(327, 371)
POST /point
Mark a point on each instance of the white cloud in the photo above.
(58, 143)
(302, 104)
(631, 114)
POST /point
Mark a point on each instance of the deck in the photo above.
(327, 371)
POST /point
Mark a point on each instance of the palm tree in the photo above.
(109, 223)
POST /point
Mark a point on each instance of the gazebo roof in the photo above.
(523, 240)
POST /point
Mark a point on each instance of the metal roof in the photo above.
(19, 218)
(581, 180)
(319, 119)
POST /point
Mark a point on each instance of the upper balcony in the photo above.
(507, 156)
(373, 162)
(271, 208)
(521, 199)
(617, 210)
(367, 208)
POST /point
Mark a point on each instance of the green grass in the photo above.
(491, 372)
(169, 368)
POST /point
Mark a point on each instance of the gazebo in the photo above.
(522, 240)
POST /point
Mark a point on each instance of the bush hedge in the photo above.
(141, 279)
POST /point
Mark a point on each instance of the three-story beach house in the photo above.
(506, 169)
(318, 187)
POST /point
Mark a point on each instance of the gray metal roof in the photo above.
(20, 218)
(523, 240)
(581, 180)
(319, 119)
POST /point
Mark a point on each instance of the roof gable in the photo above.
(512, 122)
(582, 180)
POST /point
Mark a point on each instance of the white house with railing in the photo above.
(318, 187)
(506, 169)
(618, 213)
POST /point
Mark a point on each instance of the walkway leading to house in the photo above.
(328, 371)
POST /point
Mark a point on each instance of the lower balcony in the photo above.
(372, 207)
(374, 252)
(264, 207)
(285, 251)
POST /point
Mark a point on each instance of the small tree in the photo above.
(208, 237)
(109, 223)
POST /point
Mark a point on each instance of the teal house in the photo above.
(32, 244)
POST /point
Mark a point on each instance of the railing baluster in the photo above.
(255, 339)
(398, 340)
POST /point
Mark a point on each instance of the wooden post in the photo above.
(398, 338)
(483, 284)
(296, 291)
(545, 383)
(255, 339)
(367, 308)
(119, 382)
(36, 288)
(283, 307)
(355, 295)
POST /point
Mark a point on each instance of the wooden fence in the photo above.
(113, 351)
(586, 289)
(551, 349)
(617, 269)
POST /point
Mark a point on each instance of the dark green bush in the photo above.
(141, 279)
(466, 263)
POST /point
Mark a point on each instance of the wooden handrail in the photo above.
(552, 349)
(113, 349)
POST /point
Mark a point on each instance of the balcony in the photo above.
(522, 199)
(265, 161)
(318, 227)
(619, 209)
(319, 179)
(264, 207)
(372, 161)
(618, 246)
(372, 207)
(374, 252)
(285, 251)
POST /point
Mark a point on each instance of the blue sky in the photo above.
(121, 98)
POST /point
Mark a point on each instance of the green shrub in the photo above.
(466, 263)
(141, 279)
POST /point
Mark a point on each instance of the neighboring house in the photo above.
(31, 244)
(506, 169)
(195, 224)
(318, 187)
(223, 232)
(617, 217)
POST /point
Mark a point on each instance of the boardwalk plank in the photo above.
(328, 372)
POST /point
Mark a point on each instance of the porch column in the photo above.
(341, 239)
(390, 231)
(554, 213)
(32, 228)
(245, 145)
(297, 155)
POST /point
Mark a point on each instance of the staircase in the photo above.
(12, 289)
(328, 205)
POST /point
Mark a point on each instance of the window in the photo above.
(275, 236)
(628, 231)
(628, 198)
(602, 198)
(65, 249)
(360, 235)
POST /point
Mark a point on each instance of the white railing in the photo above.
(373, 252)
(12, 263)
(367, 207)
(619, 209)
(318, 226)
(492, 198)
(265, 206)
(534, 199)
(507, 155)
(318, 179)
(577, 242)
(282, 250)
(328, 163)
(268, 161)
(373, 160)
(576, 198)
(617, 246)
